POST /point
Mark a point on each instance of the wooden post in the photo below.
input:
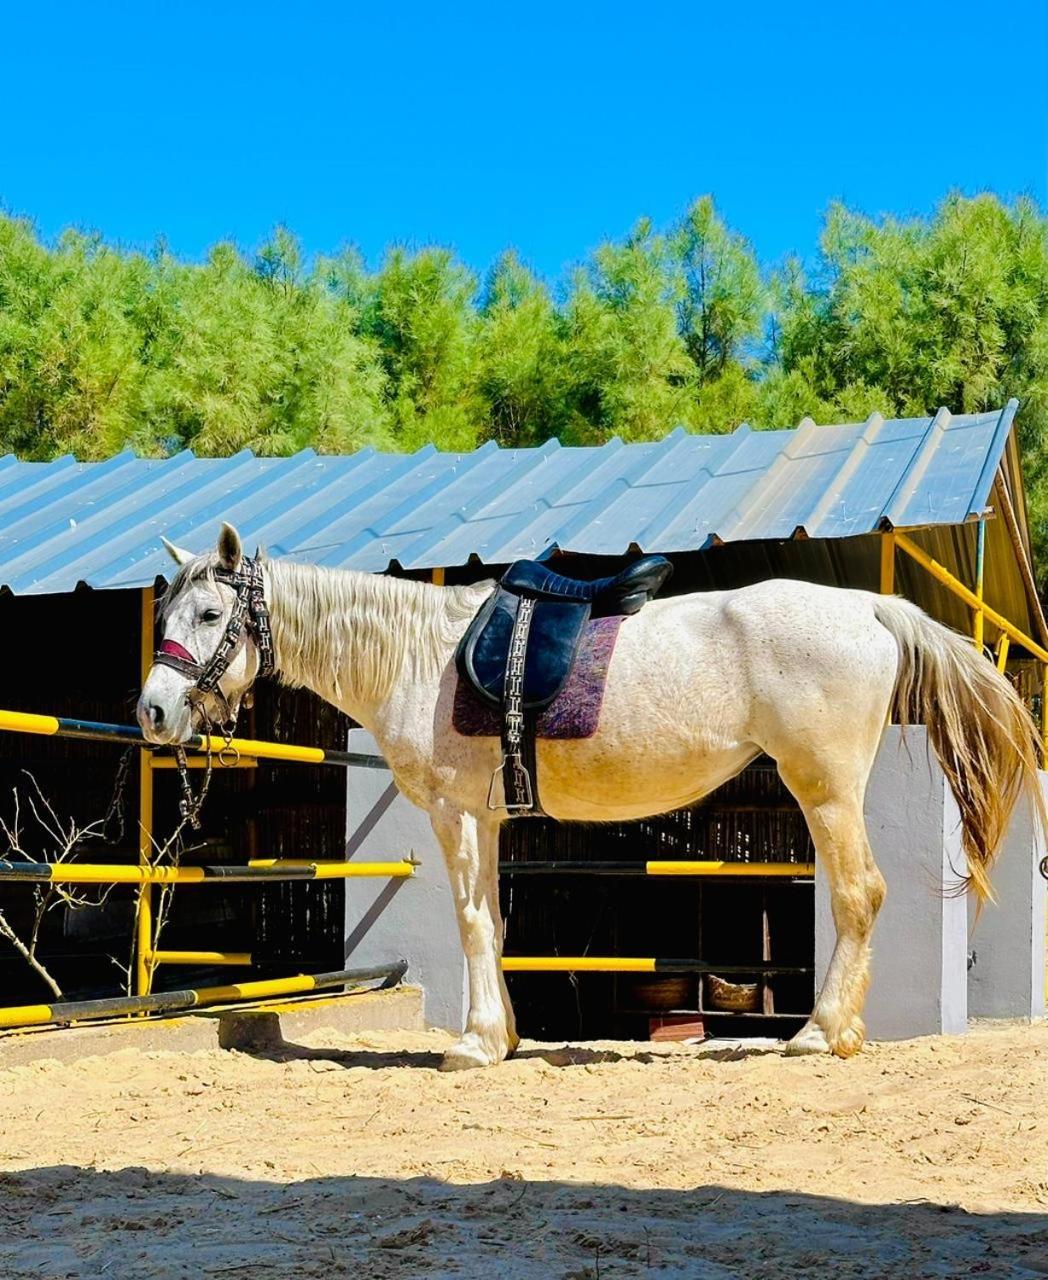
(888, 564)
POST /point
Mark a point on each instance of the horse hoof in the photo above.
(850, 1041)
(810, 1039)
(469, 1054)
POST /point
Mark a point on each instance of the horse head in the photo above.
(216, 640)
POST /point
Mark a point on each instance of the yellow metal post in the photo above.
(978, 619)
(1003, 643)
(144, 930)
(438, 577)
(888, 563)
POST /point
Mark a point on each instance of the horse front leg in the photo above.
(470, 846)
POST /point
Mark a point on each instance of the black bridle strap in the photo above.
(249, 611)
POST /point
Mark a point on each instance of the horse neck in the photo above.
(353, 637)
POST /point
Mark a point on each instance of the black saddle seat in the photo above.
(519, 650)
(624, 592)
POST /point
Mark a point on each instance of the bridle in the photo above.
(249, 615)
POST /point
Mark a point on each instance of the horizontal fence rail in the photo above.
(260, 870)
(128, 735)
(242, 959)
(639, 964)
(36, 1015)
(265, 870)
(726, 870)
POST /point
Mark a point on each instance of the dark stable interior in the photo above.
(77, 655)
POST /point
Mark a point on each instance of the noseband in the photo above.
(249, 612)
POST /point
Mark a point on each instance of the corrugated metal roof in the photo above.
(65, 522)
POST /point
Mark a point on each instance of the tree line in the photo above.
(103, 349)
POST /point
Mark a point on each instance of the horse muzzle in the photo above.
(164, 715)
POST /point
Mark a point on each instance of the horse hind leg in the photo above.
(834, 811)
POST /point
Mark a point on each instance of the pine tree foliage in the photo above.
(103, 349)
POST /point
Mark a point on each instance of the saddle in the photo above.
(520, 648)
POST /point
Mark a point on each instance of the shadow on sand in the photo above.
(274, 1048)
(132, 1224)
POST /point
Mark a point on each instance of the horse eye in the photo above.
(211, 615)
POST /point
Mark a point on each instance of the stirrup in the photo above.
(527, 805)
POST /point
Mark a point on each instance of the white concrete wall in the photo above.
(1008, 938)
(410, 919)
(919, 984)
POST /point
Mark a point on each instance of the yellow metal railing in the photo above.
(981, 611)
(970, 598)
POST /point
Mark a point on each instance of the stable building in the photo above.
(931, 508)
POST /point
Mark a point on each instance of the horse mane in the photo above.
(337, 626)
(343, 632)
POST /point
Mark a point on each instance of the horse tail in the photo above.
(979, 728)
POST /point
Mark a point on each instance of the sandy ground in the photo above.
(357, 1157)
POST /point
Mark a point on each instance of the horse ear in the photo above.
(229, 548)
(179, 554)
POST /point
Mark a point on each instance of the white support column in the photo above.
(1008, 938)
(412, 918)
(919, 985)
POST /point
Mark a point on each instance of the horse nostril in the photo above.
(156, 714)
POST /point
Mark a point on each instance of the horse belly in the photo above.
(672, 726)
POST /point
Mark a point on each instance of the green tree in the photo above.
(270, 358)
(721, 311)
(906, 316)
(70, 376)
(520, 371)
(629, 370)
(721, 296)
(419, 312)
(103, 349)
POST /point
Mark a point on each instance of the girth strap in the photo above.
(517, 767)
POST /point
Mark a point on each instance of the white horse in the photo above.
(698, 686)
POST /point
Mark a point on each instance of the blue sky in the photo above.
(545, 127)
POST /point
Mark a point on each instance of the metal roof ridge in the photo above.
(853, 459)
(984, 484)
(437, 533)
(593, 508)
(913, 473)
(368, 533)
(766, 481)
(99, 523)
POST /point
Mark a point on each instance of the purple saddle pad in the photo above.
(573, 713)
